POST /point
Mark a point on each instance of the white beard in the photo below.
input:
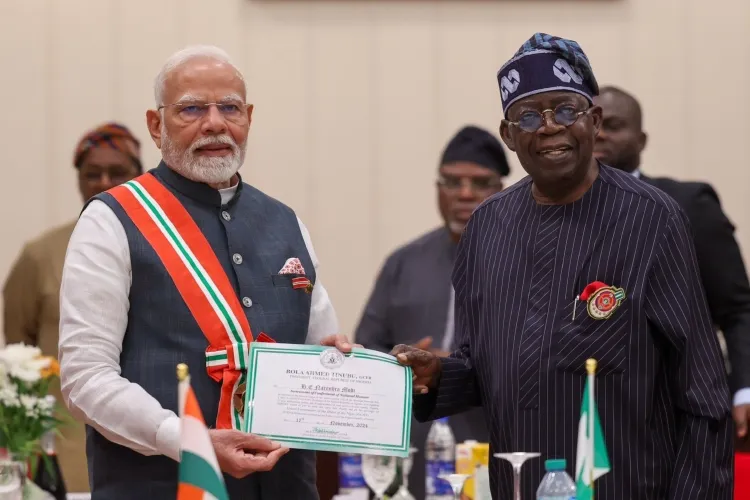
(205, 169)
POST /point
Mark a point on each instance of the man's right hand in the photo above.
(240, 454)
(426, 345)
(425, 366)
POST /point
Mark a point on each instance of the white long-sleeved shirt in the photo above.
(94, 308)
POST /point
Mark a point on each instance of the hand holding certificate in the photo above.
(318, 398)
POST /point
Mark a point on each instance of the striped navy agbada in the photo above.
(661, 387)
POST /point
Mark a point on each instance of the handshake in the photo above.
(240, 454)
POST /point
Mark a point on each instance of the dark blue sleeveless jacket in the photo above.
(161, 333)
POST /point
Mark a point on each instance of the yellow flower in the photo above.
(52, 369)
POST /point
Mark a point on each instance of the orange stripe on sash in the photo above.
(201, 309)
(198, 243)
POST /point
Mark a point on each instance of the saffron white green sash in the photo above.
(202, 283)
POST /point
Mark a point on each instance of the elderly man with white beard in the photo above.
(186, 264)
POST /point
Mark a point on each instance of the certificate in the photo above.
(317, 398)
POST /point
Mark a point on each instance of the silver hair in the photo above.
(184, 55)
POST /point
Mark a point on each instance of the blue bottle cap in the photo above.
(555, 464)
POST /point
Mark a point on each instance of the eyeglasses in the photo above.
(564, 114)
(191, 111)
(451, 183)
(116, 175)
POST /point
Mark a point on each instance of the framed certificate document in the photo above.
(317, 398)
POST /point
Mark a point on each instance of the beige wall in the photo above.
(355, 99)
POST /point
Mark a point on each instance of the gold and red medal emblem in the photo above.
(601, 299)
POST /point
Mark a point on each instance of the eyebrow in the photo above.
(187, 98)
(190, 98)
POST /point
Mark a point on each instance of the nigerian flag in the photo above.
(592, 461)
(199, 477)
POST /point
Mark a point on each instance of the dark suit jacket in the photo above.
(721, 267)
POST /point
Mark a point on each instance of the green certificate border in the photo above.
(323, 444)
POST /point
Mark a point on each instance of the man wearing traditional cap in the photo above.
(105, 157)
(620, 142)
(578, 261)
(412, 302)
(186, 264)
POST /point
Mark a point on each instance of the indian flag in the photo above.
(200, 476)
(592, 461)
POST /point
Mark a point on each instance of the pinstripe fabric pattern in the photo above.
(661, 388)
(536, 311)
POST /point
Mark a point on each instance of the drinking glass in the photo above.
(12, 479)
(457, 483)
(379, 472)
(403, 491)
(517, 460)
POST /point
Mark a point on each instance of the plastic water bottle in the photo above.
(351, 480)
(440, 455)
(556, 484)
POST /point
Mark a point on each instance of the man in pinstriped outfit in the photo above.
(578, 261)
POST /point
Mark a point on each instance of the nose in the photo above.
(466, 191)
(213, 123)
(549, 124)
(105, 181)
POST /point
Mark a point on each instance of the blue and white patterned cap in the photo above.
(545, 63)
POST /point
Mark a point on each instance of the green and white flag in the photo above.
(592, 461)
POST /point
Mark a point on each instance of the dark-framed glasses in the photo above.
(453, 183)
(191, 111)
(564, 114)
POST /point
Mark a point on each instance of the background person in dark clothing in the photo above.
(619, 144)
(412, 302)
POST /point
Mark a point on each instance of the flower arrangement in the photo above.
(25, 412)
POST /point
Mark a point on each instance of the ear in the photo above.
(642, 141)
(596, 117)
(153, 122)
(506, 136)
(250, 108)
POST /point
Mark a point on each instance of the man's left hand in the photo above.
(741, 416)
(340, 342)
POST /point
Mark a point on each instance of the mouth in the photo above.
(600, 153)
(463, 214)
(214, 150)
(556, 153)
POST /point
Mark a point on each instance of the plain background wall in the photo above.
(355, 100)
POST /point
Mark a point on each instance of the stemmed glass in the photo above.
(517, 460)
(379, 472)
(403, 491)
(457, 483)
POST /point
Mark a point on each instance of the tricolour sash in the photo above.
(202, 283)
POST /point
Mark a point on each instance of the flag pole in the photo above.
(183, 377)
(591, 370)
(182, 372)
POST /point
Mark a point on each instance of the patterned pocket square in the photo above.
(292, 266)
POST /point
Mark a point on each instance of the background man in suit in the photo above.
(104, 157)
(412, 301)
(619, 144)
